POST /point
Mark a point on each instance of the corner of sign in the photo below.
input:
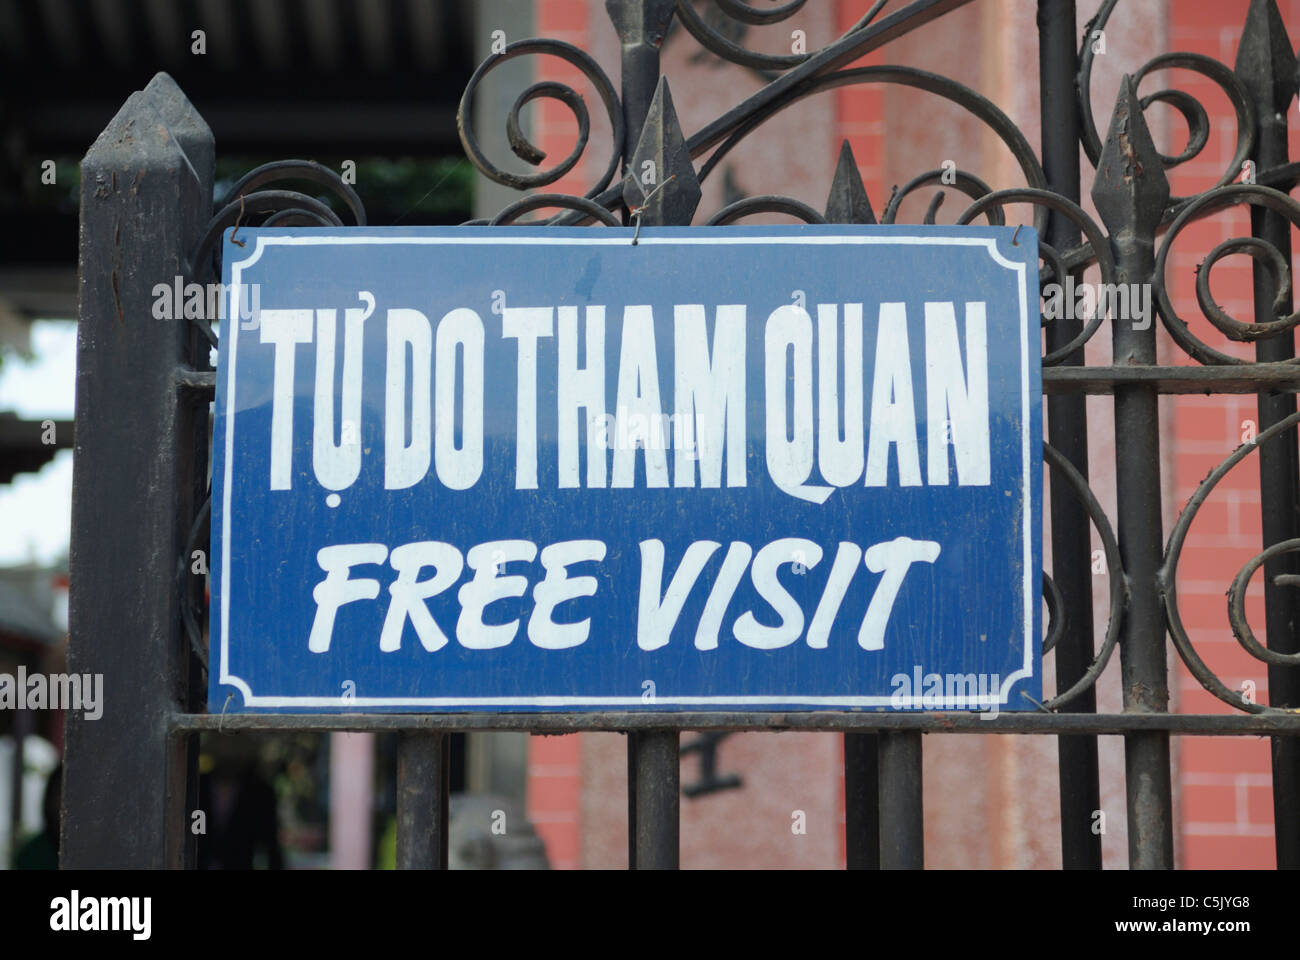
(243, 250)
(1014, 247)
(233, 694)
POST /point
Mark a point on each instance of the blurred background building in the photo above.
(377, 82)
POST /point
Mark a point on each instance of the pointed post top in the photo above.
(848, 201)
(157, 125)
(1131, 190)
(660, 178)
(1266, 64)
(183, 122)
(641, 22)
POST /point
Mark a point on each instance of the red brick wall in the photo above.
(859, 110)
(1224, 784)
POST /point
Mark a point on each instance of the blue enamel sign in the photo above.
(767, 468)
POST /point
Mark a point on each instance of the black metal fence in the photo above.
(140, 506)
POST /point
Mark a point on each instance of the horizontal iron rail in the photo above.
(202, 384)
(558, 723)
(1237, 378)
(1243, 378)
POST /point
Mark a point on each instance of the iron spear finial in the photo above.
(848, 201)
(1131, 190)
(661, 183)
(1266, 65)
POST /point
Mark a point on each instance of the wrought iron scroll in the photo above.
(249, 202)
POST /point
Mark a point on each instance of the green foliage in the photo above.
(32, 193)
(403, 190)
(422, 189)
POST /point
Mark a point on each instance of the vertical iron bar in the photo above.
(1142, 640)
(1280, 508)
(423, 790)
(1131, 192)
(848, 203)
(902, 820)
(1266, 66)
(1067, 430)
(862, 801)
(653, 757)
(632, 742)
(146, 196)
(640, 25)
(654, 785)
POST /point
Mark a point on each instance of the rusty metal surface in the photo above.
(1207, 725)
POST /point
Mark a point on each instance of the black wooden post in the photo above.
(1267, 68)
(1130, 192)
(146, 194)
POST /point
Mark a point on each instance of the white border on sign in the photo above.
(353, 702)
